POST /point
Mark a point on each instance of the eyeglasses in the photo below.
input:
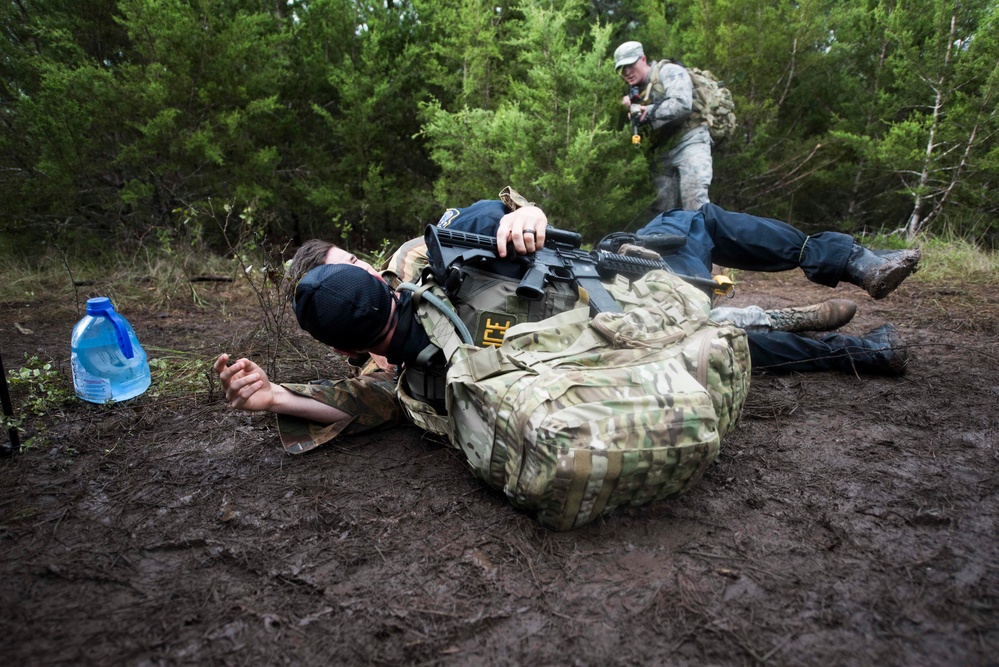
(626, 70)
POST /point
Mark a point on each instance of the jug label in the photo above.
(90, 387)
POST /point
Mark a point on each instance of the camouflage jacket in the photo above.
(669, 95)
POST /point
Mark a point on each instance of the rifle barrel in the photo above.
(609, 264)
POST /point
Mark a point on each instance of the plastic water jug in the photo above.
(108, 362)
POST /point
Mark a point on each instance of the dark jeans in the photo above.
(781, 352)
(750, 243)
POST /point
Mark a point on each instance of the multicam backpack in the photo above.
(571, 416)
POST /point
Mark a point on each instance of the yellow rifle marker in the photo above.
(725, 286)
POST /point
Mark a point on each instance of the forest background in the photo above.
(139, 120)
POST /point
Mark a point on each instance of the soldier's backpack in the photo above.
(571, 416)
(712, 102)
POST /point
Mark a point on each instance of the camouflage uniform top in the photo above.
(670, 97)
(369, 399)
(406, 263)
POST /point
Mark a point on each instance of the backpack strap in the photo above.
(438, 317)
(422, 387)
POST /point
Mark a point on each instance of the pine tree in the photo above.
(557, 137)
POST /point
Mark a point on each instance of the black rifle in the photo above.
(560, 259)
(664, 244)
(636, 98)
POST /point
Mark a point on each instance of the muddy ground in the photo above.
(848, 521)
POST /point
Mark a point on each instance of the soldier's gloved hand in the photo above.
(638, 113)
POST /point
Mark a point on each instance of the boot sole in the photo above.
(885, 281)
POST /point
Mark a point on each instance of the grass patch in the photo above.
(178, 373)
(957, 261)
(151, 279)
(39, 392)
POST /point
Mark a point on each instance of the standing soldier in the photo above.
(662, 97)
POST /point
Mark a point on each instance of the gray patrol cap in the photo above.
(627, 54)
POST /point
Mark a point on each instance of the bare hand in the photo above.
(245, 384)
(525, 228)
(382, 362)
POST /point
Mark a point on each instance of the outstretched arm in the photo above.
(247, 387)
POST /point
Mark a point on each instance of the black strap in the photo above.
(8, 410)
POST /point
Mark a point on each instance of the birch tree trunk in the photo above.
(916, 221)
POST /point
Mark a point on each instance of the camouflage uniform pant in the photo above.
(682, 175)
(750, 318)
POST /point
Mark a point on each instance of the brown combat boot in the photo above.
(880, 271)
(825, 316)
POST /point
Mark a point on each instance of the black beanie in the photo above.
(343, 306)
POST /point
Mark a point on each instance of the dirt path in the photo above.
(848, 521)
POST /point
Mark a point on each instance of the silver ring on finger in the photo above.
(529, 231)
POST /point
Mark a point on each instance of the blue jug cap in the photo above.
(98, 304)
(102, 306)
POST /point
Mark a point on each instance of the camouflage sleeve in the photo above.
(675, 101)
(513, 199)
(369, 399)
(406, 263)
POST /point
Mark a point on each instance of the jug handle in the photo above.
(124, 344)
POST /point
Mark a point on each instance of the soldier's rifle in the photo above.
(560, 259)
(636, 98)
